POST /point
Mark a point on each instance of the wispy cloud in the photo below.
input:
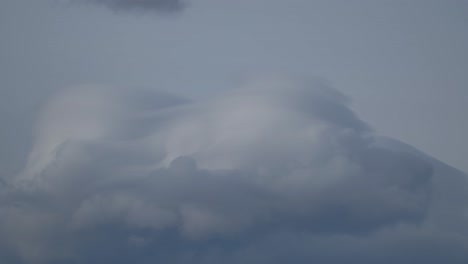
(140, 5)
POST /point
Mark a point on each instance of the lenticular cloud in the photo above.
(278, 171)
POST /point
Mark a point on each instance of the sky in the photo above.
(218, 131)
(403, 63)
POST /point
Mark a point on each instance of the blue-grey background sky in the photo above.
(404, 63)
(104, 160)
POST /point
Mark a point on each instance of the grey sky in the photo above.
(233, 131)
(403, 63)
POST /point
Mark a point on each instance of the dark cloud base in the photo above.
(278, 172)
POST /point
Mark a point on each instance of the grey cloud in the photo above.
(278, 171)
(142, 5)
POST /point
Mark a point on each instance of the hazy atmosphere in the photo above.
(220, 131)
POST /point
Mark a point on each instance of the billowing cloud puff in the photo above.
(278, 171)
(149, 5)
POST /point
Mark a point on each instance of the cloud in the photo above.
(277, 171)
(169, 6)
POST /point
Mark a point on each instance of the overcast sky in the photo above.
(403, 63)
(199, 123)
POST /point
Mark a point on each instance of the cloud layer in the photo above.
(279, 171)
(149, 5)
